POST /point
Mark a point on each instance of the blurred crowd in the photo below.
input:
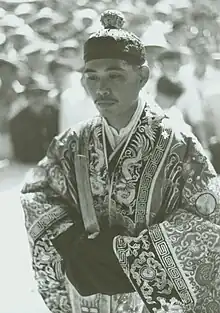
(41, 62)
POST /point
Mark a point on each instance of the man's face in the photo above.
(201, 63)
(61, 76)
(42, 25)
(170, 67)
(35, 61)
(217, 64)
(113, 85)
(19, 42)
(63, 30)
(68, 53)
(37, 101)
(177, 38)
(7, 74)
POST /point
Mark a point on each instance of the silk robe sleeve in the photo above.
(175, 264)
(47, 199)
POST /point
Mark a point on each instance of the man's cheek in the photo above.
(90, 90)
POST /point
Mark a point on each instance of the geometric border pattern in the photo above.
(170, 265)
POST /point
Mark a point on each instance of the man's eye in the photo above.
(115, 76)
(92, 77)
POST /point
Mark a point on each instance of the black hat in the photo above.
(114, 42)
(169, 88)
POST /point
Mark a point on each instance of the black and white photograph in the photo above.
(110, 156)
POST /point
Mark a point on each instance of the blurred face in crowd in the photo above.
(200, 70)
(170, 67)
(152, 55)
(87, 22)
(178, 37)
(42, 25)
(161, 16)
(216, 64)
(201, 62)
(2, 48)
(7, 75)
(165, 101)
(73, 55)
(62, 31)
(19, 42)
(68, 53)
(37, 100)
(61, 76)
(114, 85)
(35, 61)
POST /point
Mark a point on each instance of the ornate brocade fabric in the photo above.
(160, 186)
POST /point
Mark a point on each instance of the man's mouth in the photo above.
(105, 102)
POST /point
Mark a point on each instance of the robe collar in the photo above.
(116, 137)
(149, 115)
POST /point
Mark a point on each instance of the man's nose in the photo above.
(103, 89)
(103, 92)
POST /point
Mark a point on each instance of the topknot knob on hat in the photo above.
(112, 19)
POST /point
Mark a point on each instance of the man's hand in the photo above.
(92, 267)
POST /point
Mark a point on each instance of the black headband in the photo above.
(108, 48)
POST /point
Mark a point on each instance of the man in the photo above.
(124, 209)
(33, 54)
(168, 93)
(196, 78)
(8, 75)
(71, 51)
(74, 103)
(170, 63)
(26, 11)
(42, 22)
(33, 125)
(177, 35)
(19, 40)
(212, 112)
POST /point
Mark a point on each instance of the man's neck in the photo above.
(120, 121)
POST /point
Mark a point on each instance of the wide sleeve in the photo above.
(175, 265)
(50, 208)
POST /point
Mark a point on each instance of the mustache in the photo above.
(100, 99)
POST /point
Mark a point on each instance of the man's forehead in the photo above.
(105, 65)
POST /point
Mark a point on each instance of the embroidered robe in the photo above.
(161, 187)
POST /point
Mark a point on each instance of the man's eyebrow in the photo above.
(111, 68)
(89, 70)
(115, 68)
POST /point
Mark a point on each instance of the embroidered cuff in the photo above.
(60, 227)
(151, 268)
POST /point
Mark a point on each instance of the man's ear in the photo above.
(83, 82)
(144, 75)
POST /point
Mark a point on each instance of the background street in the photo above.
(17, 288)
